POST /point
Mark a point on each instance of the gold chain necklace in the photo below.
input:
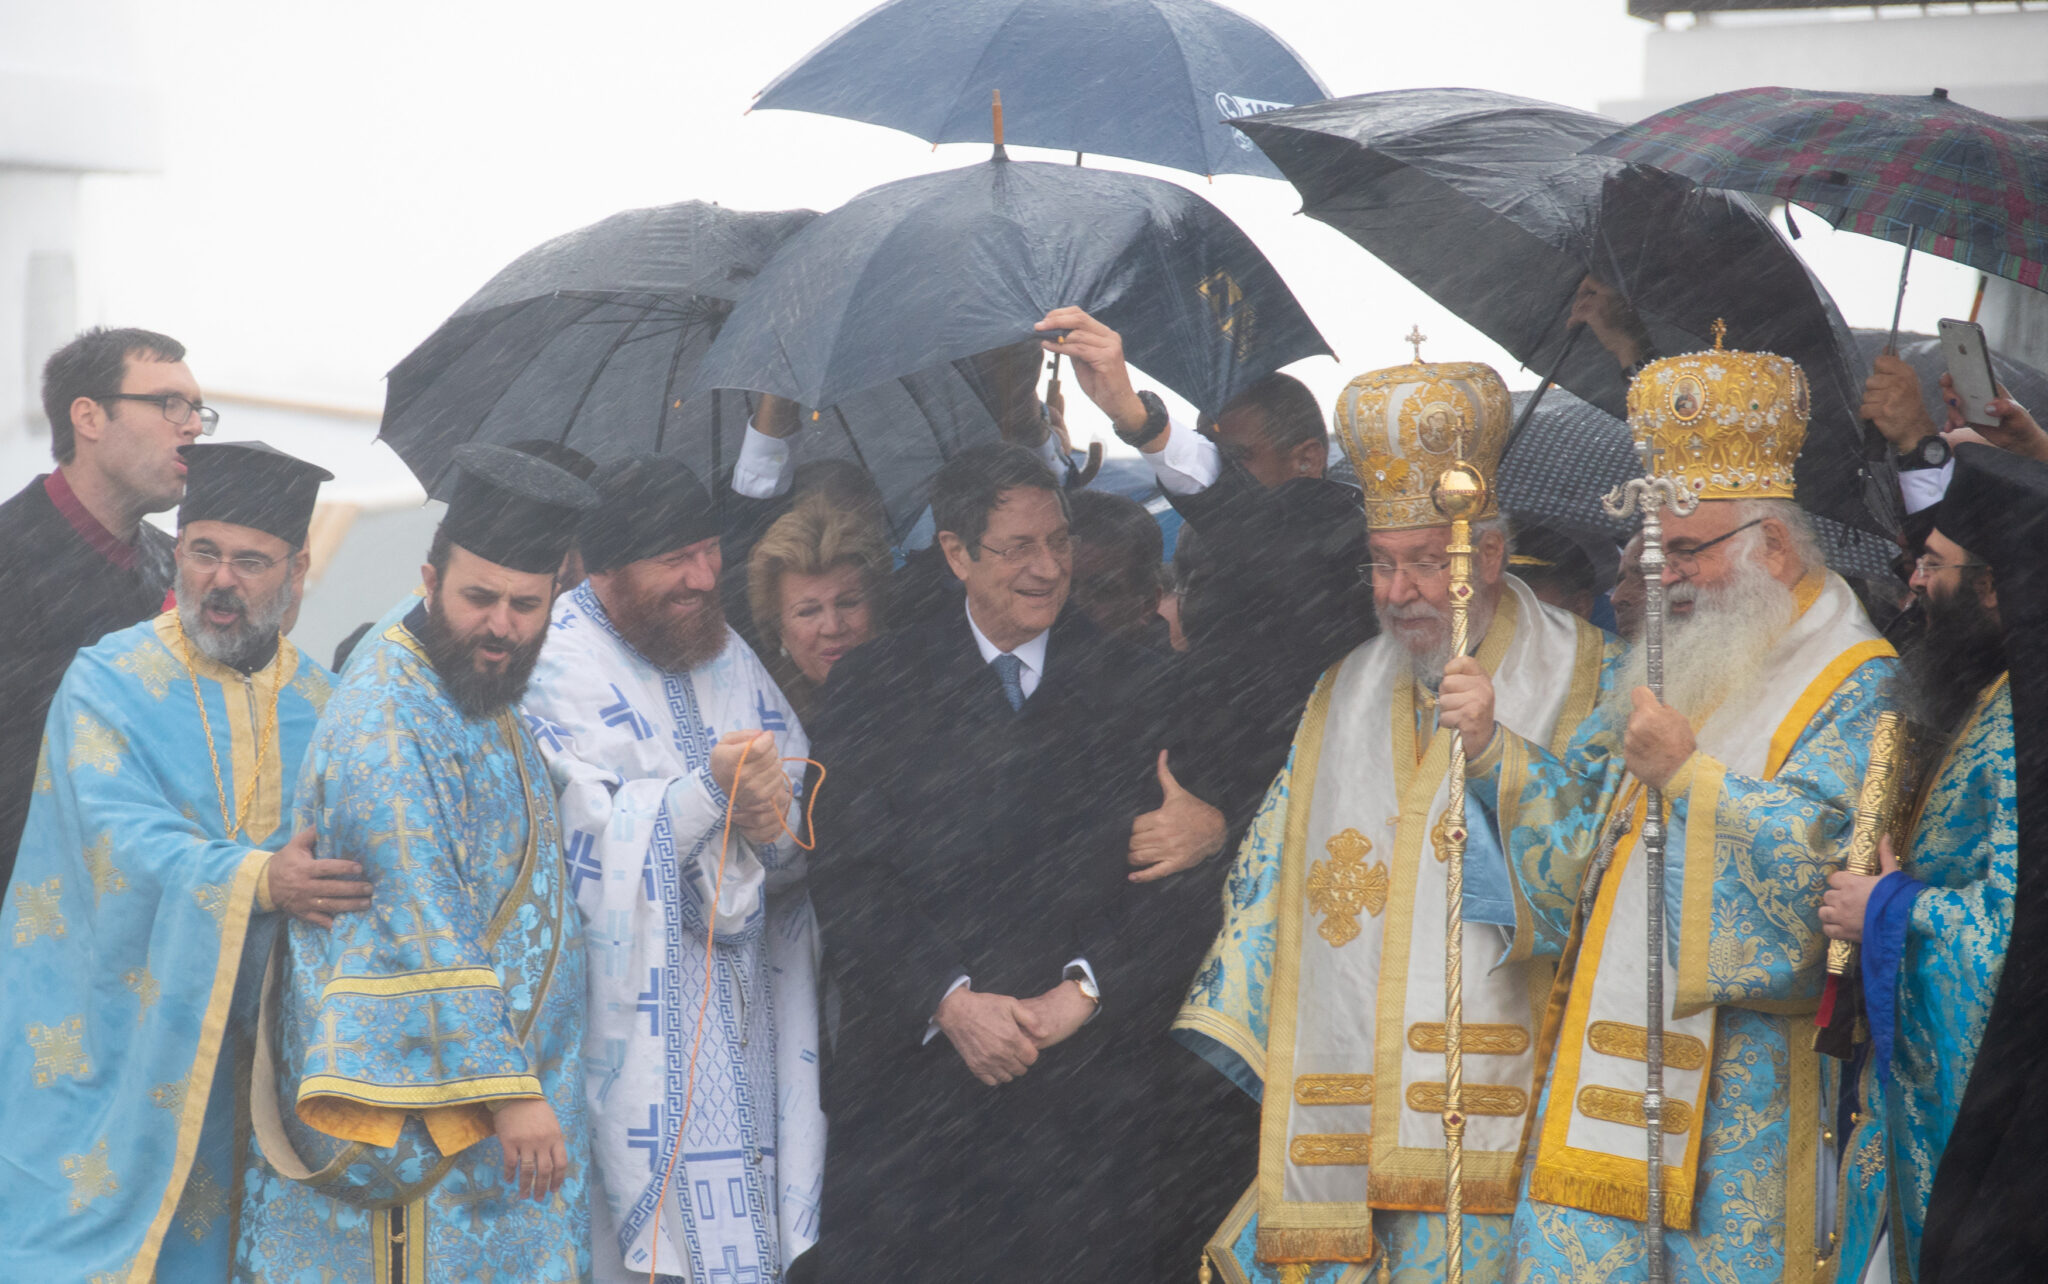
(235, 819)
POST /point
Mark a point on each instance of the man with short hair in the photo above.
(983, 776)
(80, 561)
(1933, 933)
(644, 704)
(155, 851)
(1773, 683)
(1323, 994)
(417, 1097)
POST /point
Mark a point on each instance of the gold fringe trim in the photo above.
(1330, 1148)
(1620, 1039)
(1612, 1193)
(1426, 1194)
(1333, 1089)
(1283, 1246)
(1483, 1039)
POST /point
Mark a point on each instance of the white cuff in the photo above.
(762, 470)
(1924, 487)
(1187, 463)
(931, 1027)
(1055, 458)
(1081, 966)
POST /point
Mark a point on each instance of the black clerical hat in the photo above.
(250, 484)
(651, 504)
(513, 509)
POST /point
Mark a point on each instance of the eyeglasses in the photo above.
(1926, 566)
(176, 408)
(1686, 560)
(1419, 572)
(1025, 552)
(246, 567)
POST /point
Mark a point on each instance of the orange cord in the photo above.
(704, 1004)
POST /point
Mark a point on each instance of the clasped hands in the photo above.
(1843, 905)
(1000, 1037)
(1655, 744)
(759, 789)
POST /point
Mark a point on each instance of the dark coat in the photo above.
(61, 595)
(958, 837)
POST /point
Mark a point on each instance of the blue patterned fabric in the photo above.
(1965, 850)
(463, 985)
(1885, 920)
(127, 945)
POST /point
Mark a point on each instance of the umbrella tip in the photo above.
(996, 110)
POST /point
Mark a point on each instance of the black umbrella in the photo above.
(1484, 202)
(592, 339)
(946, 265)
(1148, 80)
(1571, 453)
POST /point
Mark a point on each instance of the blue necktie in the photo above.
(1011, 670)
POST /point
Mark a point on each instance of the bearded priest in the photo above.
(644, 704)
(155, 854)
(1338, 890)
(416, 1097)
(1773, 683)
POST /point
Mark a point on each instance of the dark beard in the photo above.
(674, 648)
(1958, 653)
(477, 694)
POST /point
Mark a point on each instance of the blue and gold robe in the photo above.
(385, 1040)
(1336, 894)
(1949, 937)
(1757, 819)
(123, 986)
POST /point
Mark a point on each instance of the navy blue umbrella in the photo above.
(1147, 80)
(943, 266)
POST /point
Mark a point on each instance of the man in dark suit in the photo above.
(984, 771)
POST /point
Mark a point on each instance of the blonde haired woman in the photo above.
(815, 582)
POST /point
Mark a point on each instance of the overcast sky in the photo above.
(341, 175)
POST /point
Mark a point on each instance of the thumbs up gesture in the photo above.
(1184, 832)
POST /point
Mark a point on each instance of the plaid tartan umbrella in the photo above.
(1924, 171)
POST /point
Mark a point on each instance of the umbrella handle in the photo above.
(1571, 337)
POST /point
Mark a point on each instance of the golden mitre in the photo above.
(1726, 425)
(1401, 427)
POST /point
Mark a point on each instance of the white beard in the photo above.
(1718, 651)
(1428, 665)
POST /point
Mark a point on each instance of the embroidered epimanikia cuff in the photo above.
(1489, 758)
(263, 902)
(1680, 783)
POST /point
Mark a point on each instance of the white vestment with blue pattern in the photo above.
(629, 749)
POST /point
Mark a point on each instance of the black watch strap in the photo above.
(1155, 422)
(1931, 451)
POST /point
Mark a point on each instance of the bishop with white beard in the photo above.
(1774, 681)
(1324, 993)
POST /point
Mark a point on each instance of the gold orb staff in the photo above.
(1460, 495)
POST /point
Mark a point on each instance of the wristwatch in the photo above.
(1932, 451)
(1155, 422)
(1088, 988)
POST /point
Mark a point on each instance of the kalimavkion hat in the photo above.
(247, 483)
(513, 509)
(649, 505)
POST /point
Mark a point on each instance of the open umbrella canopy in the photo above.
(592, 339)
(2027, 385)
(946, 265)
(1918, 169)
(1486, 203)
(1147, 80)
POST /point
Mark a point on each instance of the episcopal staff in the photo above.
(1773, 682)
(156, 848)
(642, 704)
(417, 1098)
(1337, 891)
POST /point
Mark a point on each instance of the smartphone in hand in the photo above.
(1969, 369)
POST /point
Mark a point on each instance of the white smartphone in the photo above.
(1969, 369)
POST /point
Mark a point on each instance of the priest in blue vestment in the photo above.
(153, 863)
(416, 1096)
(1935, 923)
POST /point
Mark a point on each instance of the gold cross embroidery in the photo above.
(99, 862)
(146, 988)
(95, 744)
(213, 898)
(401, 835)
(432, 1040)
(333, 1042)
(60, 1050)
(168, 1096)
(202, 1204)
(1341, 886)
(37, 912)
(154, 667)
(423, 939)
(90, 1176)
